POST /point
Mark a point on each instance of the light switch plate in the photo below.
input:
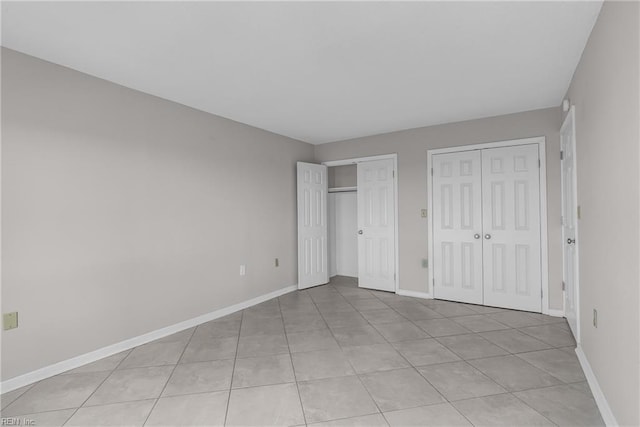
(10, 320)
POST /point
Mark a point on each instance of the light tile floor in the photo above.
(333, 355)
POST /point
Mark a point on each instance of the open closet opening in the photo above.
(342, 220)
(347, 226)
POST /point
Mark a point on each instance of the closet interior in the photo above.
(342, 220)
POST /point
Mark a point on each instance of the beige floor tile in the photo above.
(118, 414)
(313, 365)
(425, 352)
(199, 377)
(59, 392)
(131, 384)
(335, 398)
(48, 419)
(500, 410)
(459, 380)
(374, 358)
(440, 415)
(471, 346)
(207, 409)
(400, 389)
(267, 405)
(264, 370)
(513, 373)
(564, 405)
(402, 331)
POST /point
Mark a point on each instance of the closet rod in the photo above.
(343, 189)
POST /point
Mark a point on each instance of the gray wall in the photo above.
(343, 176)
(605, 92)
(123, 213)
(412, 145)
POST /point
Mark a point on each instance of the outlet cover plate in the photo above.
(10, 320)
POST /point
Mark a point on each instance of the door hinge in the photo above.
(541, 293)
(563, 285)
(431, 171)
(539, 163)
(394, 276)
(561, 155)
(393, 174)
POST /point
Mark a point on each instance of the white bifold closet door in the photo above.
(487, 227)
(312, 225)
(457, 219)
(511, 227)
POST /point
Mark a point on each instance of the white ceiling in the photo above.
(319, 71)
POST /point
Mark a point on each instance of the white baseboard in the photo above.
(554, 313)
(83, 359)
(415, 294)
(598, 395)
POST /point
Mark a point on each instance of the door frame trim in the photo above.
(544, 252)
(570, 120)
(394, 157)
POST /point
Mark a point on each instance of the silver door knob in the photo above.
(487, 236)
(360, 232)
(476, 236)
(571, 241)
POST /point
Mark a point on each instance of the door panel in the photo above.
(312, 225)
(457, 220)
(511, 227)
(376, 223)
(569, 225)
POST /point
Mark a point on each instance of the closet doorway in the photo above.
(488, 224)
(347, 212)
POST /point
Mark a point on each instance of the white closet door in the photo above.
(376, 223)
(312, 225)
(511, 231)
(457, 226)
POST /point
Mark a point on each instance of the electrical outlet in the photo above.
(425, 263)
(277, 262)
(10, 320)
(243, 269)
(595, 318)
(423, 213)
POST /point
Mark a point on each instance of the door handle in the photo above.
(476, 236)
(360, 231)
(571, 241)
(487, 236)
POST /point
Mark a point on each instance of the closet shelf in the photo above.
(342, 189)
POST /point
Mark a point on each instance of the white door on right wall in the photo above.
(570, 225)
(511, 227)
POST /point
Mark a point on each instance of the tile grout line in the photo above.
(533, 409)
(401, 355)
(99, 385)
(233, 369)
(553, 327)
(169, 377)
(347, 359)
(293, 368)
(461, 360)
